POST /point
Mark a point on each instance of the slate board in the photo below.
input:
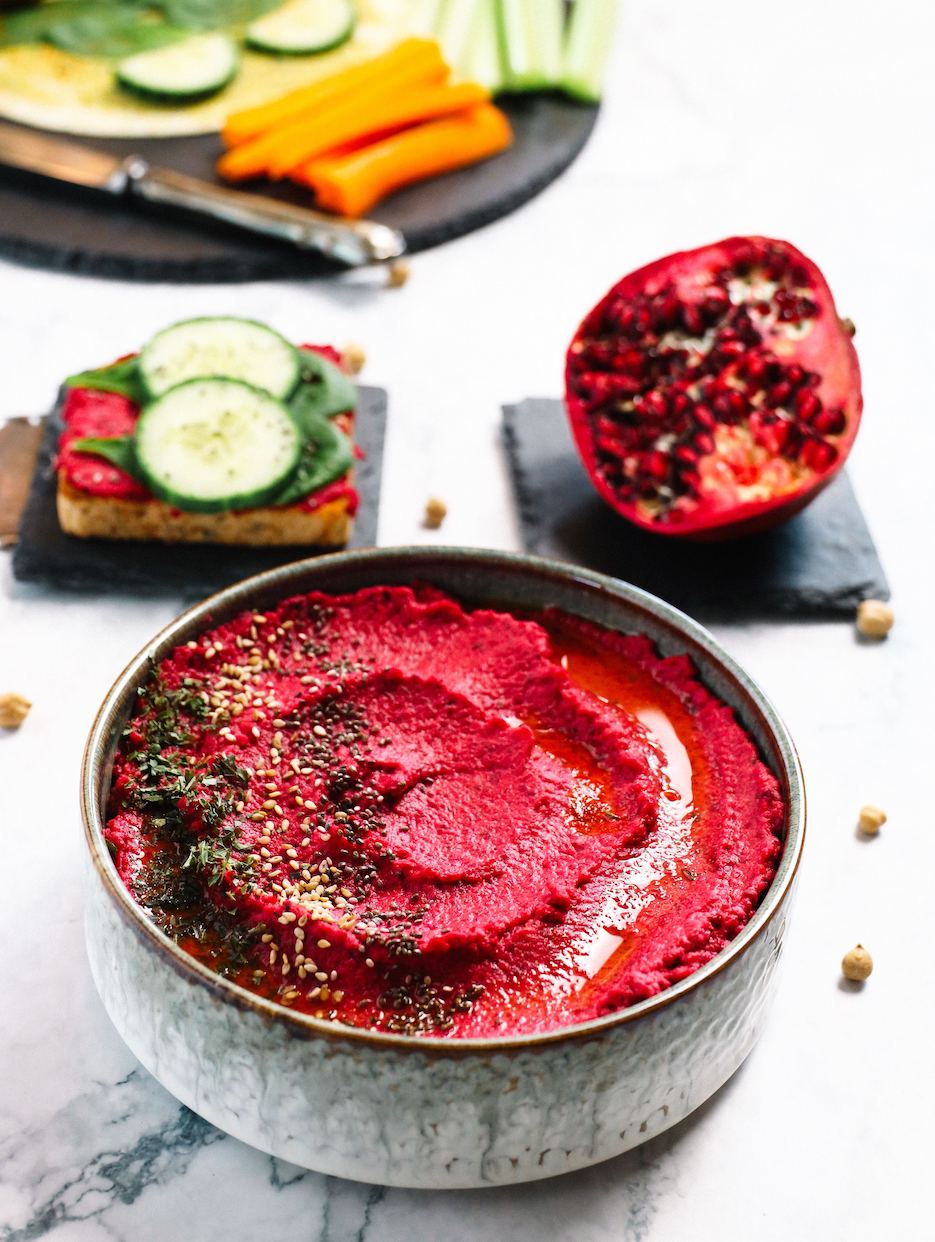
(44, 553)
(44, 223)
(821, 563)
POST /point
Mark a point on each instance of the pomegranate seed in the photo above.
(654, 404)
(681, 404)
(731, 405)
(656, 466)
(632, 361)
(666, 311)
(817, 454)
(626, 318)
(830, 422)
(731, 350)
(779, 394)
(807, 404)
(755, 367)
(716, 302)
(704, 417)
(693, 319)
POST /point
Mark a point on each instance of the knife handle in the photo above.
(352, 242)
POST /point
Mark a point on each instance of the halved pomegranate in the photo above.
(714, 392)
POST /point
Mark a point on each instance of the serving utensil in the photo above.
(351, 242)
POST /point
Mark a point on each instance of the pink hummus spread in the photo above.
(384, 810)
(93, 414)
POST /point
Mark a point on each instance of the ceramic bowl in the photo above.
(409, 1111)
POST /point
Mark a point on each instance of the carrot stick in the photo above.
(281, 150)
(412, 57)
(352, 184)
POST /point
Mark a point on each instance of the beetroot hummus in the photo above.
(384, 810)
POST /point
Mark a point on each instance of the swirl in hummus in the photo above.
(385, 810)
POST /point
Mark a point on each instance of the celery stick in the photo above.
(587, 47)
(531, 42)
(453, 29)
(426, 15)
(481, 61)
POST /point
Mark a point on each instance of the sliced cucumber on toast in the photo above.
(226, 346)
(184, 72)
(303, 27)
(208, 445)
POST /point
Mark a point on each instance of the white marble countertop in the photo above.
(806, 121)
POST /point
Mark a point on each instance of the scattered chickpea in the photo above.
(435, 513)
(398, 273)
(13, 710)
(353, 358)
(874, 618)
(871, 820)
(857, 965)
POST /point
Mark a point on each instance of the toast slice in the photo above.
(106, 517)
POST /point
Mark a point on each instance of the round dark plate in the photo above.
(44, 223)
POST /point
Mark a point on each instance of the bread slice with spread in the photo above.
(218, 431)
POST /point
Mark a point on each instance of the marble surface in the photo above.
(811, 122)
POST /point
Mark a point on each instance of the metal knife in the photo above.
(352, 242)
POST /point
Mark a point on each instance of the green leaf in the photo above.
(216, 14)
(116, 449)
(32, 25)
(326, 456)
(122, 377)
(324, 391)
(118, 28)
(113, 34)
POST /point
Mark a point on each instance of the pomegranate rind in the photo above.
(827, 349)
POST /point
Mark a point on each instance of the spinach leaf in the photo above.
(326, 455)
(119, 28)
(121, 377)
(92, 27)
(32, 25)
(324, 391)
(215, 14)
(116, 449)
(112, 35)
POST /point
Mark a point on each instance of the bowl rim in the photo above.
(301, 1025)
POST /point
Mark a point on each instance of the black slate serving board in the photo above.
(820, 563)
(44, 223)
(44, 553)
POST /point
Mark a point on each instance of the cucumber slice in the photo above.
(215, 444)
(234, 348)
(587, 47)
(303, 27)
(183, 72)
(531, 43)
